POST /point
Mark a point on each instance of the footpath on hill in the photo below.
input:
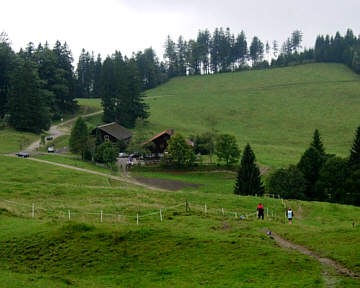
(59, 130)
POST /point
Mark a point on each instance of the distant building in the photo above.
(113, 132)
(158, 144)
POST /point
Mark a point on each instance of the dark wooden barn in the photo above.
(113, 132)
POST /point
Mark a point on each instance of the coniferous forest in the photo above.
(39, 83)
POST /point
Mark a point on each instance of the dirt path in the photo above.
(326, 261)
(58, 130)
(128, 180)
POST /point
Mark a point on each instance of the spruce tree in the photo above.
(354, 159)
(248, 181)
(317, 143)
(27, 102)
(78, 141)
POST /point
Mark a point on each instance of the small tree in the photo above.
(248, 181)
(79, 137)
(354, 159)
(109, 155)
(227, 149)
(180, 153)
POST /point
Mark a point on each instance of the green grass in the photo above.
(13, 141)
(276, 110)
(187, 249)
(92, 104)
(75, 160)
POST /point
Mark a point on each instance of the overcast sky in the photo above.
(132, 25)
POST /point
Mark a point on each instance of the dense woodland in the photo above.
(39, 84)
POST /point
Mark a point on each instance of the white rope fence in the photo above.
(68, 213)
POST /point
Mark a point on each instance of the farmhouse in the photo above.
(113, 132)
(158, 143)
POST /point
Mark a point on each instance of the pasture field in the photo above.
(275, 110)
(186, 249)
(13, 141)
(89, 104)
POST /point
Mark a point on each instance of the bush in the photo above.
(180, 154)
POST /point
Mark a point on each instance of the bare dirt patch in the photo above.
(166, 184)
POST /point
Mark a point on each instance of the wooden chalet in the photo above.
(113, 132)
(158, 144)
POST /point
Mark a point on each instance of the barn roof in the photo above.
(116, 130)
(170, 132)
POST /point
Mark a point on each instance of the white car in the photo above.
(51, 149)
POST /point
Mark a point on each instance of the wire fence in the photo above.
(68, 214)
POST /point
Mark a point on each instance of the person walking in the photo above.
(260, 211)
(290, 215)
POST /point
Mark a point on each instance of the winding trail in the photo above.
(323, 260)
(58, 130)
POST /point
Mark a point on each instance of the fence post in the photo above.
(236, 215)
(205, 208)
(187, 206)
(137, 219)
(101, 216)
(69, 215)
(160, 215)
(33, 210)
(223, 212)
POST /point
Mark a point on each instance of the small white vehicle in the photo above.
(51, 149)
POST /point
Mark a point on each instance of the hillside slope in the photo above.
(275, 110)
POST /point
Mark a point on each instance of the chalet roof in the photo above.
(170, 132)
(116, 130)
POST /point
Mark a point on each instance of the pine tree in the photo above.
(354, 159)
(78, 141)
(310, 165)
(248, 181)
(27, 101)
(317, 143)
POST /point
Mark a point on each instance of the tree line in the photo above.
(37, 85)
(321, 176)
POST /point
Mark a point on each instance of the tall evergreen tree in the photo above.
(317, 143)
(310, 165)
(256, 50)
(248, 181)
(7, 65)
(27, 103)
(354, 159)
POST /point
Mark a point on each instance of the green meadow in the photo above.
(275, 110)
(65, 228)
(186, 249)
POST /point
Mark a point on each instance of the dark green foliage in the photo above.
(7, 65)
(288, 183)
(204, 143)
(109, 155)
(332, 178)
(121, 91)
(106, 153)
(354, 159)
(353, 188)
(27, 101)
(248, 180)
(317, 143)
(310, 165)
(256, 50)
(78, 141)
(227, 149)
(180, 153)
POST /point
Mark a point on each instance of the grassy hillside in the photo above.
(186, 249)
(275, 110)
